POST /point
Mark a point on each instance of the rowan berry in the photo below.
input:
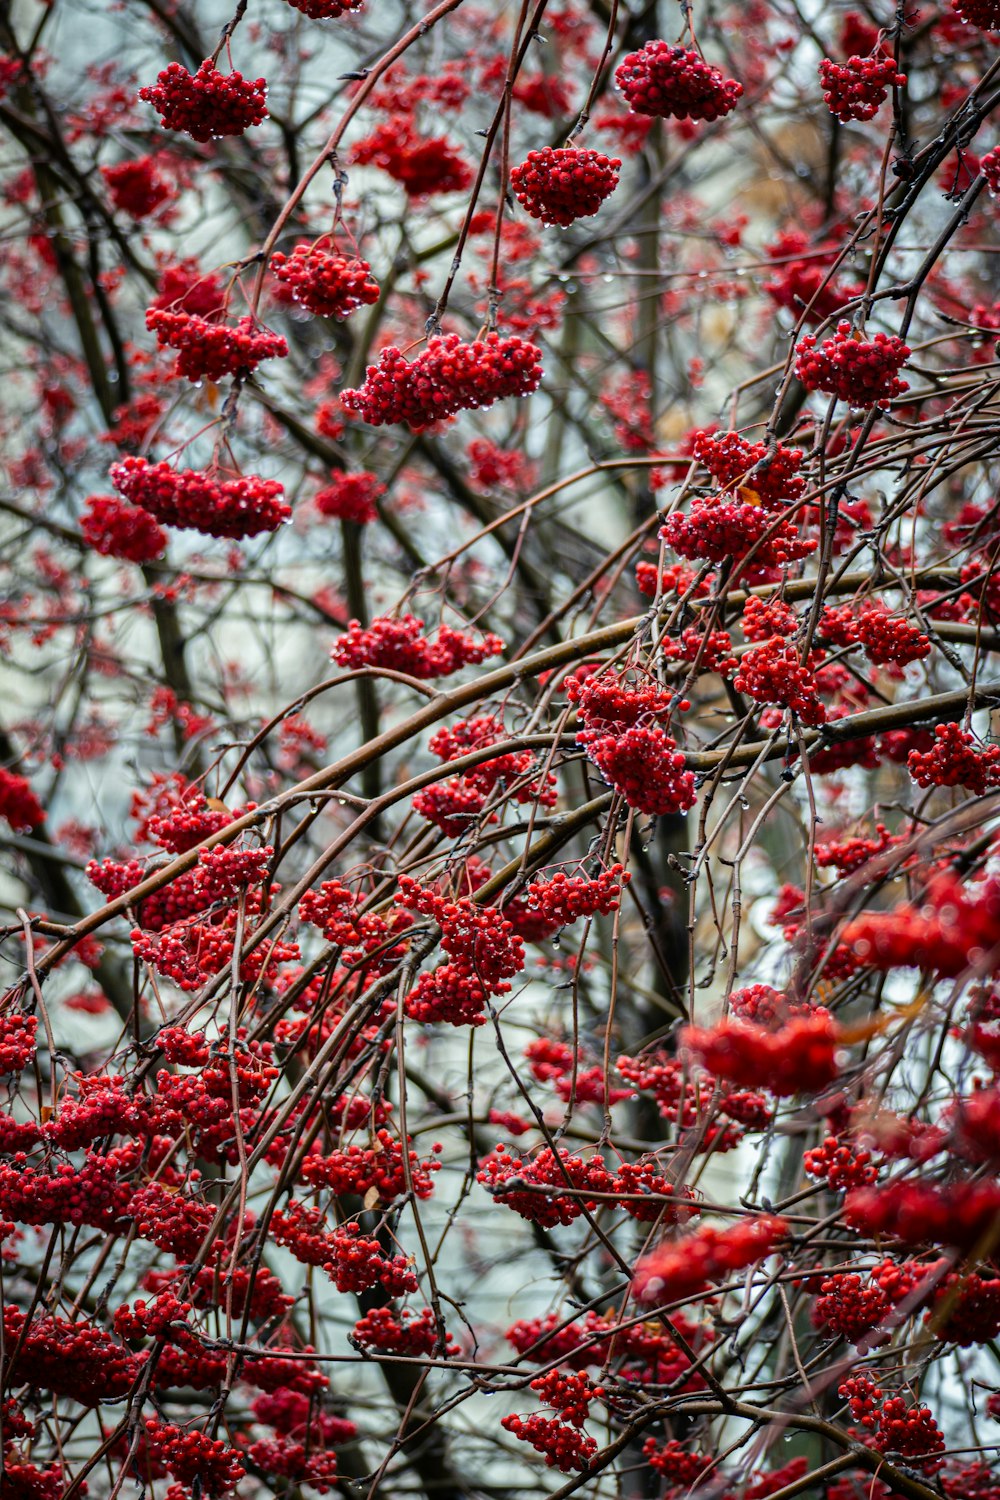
(664, 80)
(206, 104)
(856, 90)
(863, 372)
(559, 186)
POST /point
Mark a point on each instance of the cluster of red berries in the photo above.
(77, 1360)
(773, 673)
(863, 372)
(351, 497)
(770, 471)
(408, 1333)
(484, 949)
(956, 759)
(982, 13)
(718, 528)
(850, 1307)
(841, 1165)
(682, 1268)
(762, 619)
(137, 187)
(400, 646)
(18, 804)
(535, 1187)
(956, 1213)
(115, 529)
(680, 1468)
(206, 104)
(644, 765)
(565, 1447)
(359, 1169)
(801, 281)
(197, 501)
(800, 1057)
(17, 1041)
(326, 10)
(560, 185)
(208, 350)
(954, 928)
(190, 1455)
(546, 906)
(453, 803)
(664, 80)
(912, 1432)
(886, 638)
(420, 164)
(989, 165)
(856, 90)
(324, 282)
(446, 377)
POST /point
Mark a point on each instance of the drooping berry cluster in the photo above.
(954, 927)
(351, 497)
(560, 185)
(400, 645)
(800, 1057)
(137, 187)
(565, 1447)
(446, 377)
(115, 529)
(773, 673)
(989, 165)
(863, 372)
(633, 752)
(856, 90)
(982, 13)
(681, 1268)
(197, 501)
(664, 80)
(208, 350)
(840, 1164)
(325, 282)
(422, 165)
(18, 804)
(769, 472)
(484, 950)
(956, 759)
(190, 1455)
(326, 10)
(206, 104)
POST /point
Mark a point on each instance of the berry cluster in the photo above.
(351, 497)
(398, 645)
(718, 528)
(956, 759)
(856, 90)
(407, 1333)
(773, 673)
(954, 928)
(137, 187)
(446, 377)
(982, 13)
(326, 10)
(849, 1307)
(206, 104)
(840, 1165)
(115, 529)
(208, 350)
(989, 165)
(197, 501)
(323, 281)
(559, 186)
(863, 372)
(19, 806)
(683, 1268)
(800, 1057)
(679, 1467)
(769, 472)
(484, 949)
(360, 1169)
(664, 80)
(190, 1456)
(422, 165)
(17, 1041)
(919, 1213)
(546, 906)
